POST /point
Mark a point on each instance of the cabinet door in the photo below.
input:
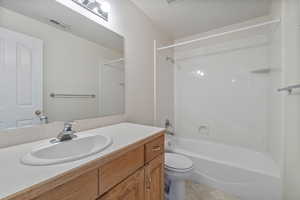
(120, 168)
(131, 188)
(85, 187)
(154, 175)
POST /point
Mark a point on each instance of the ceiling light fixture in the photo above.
(105, 6)
(100, 8)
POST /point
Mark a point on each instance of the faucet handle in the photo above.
(38, 112)
(68, 125)
(168, 124)
(43, 118)
(66, 134)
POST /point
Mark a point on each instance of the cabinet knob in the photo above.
(156, 148)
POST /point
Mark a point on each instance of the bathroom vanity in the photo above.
(131, 168)
(78, 70)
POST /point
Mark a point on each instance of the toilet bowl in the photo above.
(178, 169)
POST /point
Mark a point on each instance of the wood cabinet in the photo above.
(131, 188)
(154, 148)
(85, 187)
(135, 172)
(154, 179)
(120, 168)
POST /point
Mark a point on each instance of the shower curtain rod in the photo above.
(114, 61)
(220, 34)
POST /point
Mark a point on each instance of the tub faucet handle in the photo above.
(168, 124)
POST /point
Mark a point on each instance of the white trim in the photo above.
(114, 61)
(155, 83)
(221, 34)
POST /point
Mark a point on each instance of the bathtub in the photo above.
(247, 174)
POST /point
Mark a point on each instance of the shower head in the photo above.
(59, 24)
(170, 1)
(170, 59)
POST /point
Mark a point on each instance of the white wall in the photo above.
(275, 139)
(139, 33)
(165, 88)
(291, 71)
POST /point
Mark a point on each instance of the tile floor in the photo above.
(202, 192)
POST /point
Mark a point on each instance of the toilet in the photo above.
(178, 169)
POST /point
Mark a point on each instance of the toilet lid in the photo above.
(176, 161)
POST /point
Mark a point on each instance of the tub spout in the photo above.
(169, 133)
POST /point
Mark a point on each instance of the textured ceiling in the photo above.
(182, 18)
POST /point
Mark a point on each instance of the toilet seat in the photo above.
(178, 170)
(178, 163)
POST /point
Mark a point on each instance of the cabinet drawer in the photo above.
(154, 148)
(85, 187)
(117, 170)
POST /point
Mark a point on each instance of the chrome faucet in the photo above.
(43, 118)
(66, 134)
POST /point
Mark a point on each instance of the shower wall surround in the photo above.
(219, 95)
(223, 89)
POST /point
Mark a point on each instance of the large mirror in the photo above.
(56, 65)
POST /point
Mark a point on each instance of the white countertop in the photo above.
(15, 176)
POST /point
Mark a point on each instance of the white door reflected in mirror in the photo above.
(21, 59)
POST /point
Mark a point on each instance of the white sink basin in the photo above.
(75, 149)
